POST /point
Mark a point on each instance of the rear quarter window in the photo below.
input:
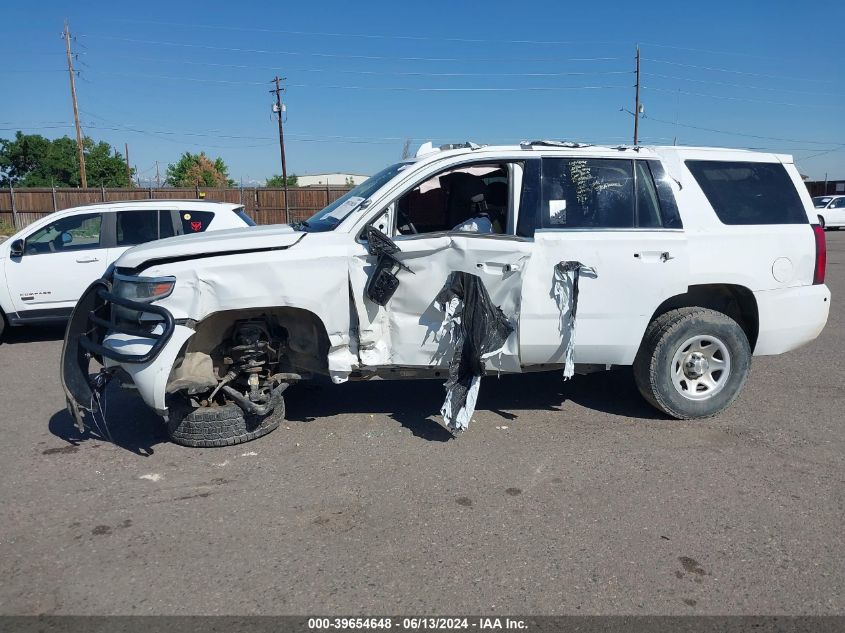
(195, 221)
(749, 193)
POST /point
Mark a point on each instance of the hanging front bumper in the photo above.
(91, 321)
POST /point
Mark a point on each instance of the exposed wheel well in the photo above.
(306, 346)
(737, 302)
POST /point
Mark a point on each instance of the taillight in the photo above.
(821, 255)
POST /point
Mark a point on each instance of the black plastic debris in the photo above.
(565, 291)
(478, 329)
(383, 282)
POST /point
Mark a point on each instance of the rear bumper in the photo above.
(790, 317)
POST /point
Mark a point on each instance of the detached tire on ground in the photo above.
(227, 425)
(693, 363)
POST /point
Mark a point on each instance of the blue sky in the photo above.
(362, 77)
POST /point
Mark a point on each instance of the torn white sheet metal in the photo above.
(565, 291)
(456, 417)
(407, 331)
(476, 329)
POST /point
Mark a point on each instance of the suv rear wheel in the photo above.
(693, 363)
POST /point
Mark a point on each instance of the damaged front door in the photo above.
(410, 330)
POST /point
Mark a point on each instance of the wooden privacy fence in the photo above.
(21, 207)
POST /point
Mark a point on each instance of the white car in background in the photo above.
(831, 211)
(47, 266)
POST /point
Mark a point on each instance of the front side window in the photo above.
(74, 233)
(749, 193)
(469, 199)
(838, 204)
(587, 193)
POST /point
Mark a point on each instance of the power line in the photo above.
(415, 38)
(385, 72)
(708, 51)
(17, 71)
(747, 99)
(169, 77)
(355, 87)
(744, 86)
(37, 127)
(744, 134)
(348, 56)
(735, 72)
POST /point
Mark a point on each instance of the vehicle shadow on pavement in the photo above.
(33, 334)
(129, 424)
(415, 403)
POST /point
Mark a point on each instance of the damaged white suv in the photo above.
(682, 262)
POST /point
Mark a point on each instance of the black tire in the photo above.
(207, 427)
(664, 358)
(822, 224)
(2, 324)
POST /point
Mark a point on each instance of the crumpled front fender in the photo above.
(149, 378)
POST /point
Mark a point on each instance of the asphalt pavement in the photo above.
(562, 498)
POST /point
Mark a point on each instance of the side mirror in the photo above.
(16, 248)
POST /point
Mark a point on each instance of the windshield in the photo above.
(336, 212)
(820, 202)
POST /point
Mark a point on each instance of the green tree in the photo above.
(278, 181)
(30, 160)
(198, 170)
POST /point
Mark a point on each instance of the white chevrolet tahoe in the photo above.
(683, 262)
(46, 266)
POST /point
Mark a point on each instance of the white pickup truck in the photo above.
(680, 261)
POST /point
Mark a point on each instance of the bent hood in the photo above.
(254, 238)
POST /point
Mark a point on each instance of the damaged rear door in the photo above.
(619, 220)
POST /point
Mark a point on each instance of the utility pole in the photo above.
(278, 108)
(637, 102)
(128, 171)
(79, 147)
(158, 178)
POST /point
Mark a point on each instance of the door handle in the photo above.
(87, 260)
(651, 256)
(498, 267)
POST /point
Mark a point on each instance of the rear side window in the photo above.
(749, 193)
(668, 206)
(140, 227)
(137, 227)
(195, 221)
